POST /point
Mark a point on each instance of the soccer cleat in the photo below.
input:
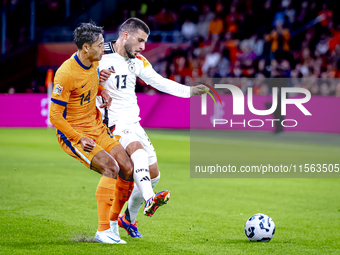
(110, 235)
(156, 201)
(128, 226)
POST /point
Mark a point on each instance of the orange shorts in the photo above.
(104, 140)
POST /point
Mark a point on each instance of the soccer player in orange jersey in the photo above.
(81, 133)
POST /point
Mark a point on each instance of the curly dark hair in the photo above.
(132, 25)
(86, 33)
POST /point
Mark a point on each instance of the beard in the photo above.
(97, 57)
(128, 50)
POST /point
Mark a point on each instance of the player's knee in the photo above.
(130, 143)
(110, 167)
(130, 168)
(134, 146)
(154, 171)
(127, 170)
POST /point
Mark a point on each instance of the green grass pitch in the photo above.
(48, 206)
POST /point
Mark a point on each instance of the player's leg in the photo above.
(163, 196)
(141, 151)
(128, 219)
(138, 156)
(100, 161)
(143, 190)
(136, 199)
(124, 184)
(105, 164)
(158, 200)
(116, 191)
(154, 170)
(141, 172)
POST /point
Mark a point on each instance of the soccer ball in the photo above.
(259, 228)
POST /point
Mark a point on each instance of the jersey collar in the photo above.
(81, 64)
(109, 47)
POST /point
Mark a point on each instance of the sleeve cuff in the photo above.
(77, 138)
(100, 89)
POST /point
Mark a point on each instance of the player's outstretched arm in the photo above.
(152, 78)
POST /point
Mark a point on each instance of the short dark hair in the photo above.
(132, 25)
(86, 33)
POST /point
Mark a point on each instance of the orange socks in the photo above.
(121, 195)
(105, 195)
(111, 191)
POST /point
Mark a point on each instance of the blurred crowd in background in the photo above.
(48, 14)
(249, 41)
(239, 41)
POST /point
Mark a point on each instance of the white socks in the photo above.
(141, 173)
(136, 200)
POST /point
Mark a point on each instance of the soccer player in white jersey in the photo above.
(120, 66)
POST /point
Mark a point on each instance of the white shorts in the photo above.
(134, 132)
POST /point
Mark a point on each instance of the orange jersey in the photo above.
(73, 109)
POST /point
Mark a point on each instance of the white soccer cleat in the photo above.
(115, 231)
(110, 235)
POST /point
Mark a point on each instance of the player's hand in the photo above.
(87, 144)
(107, 99)
(105, 74)
(199, 90)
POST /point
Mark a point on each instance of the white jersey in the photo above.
(121, 84)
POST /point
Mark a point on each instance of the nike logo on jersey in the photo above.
(84, 85)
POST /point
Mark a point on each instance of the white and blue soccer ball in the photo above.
(259, 228)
